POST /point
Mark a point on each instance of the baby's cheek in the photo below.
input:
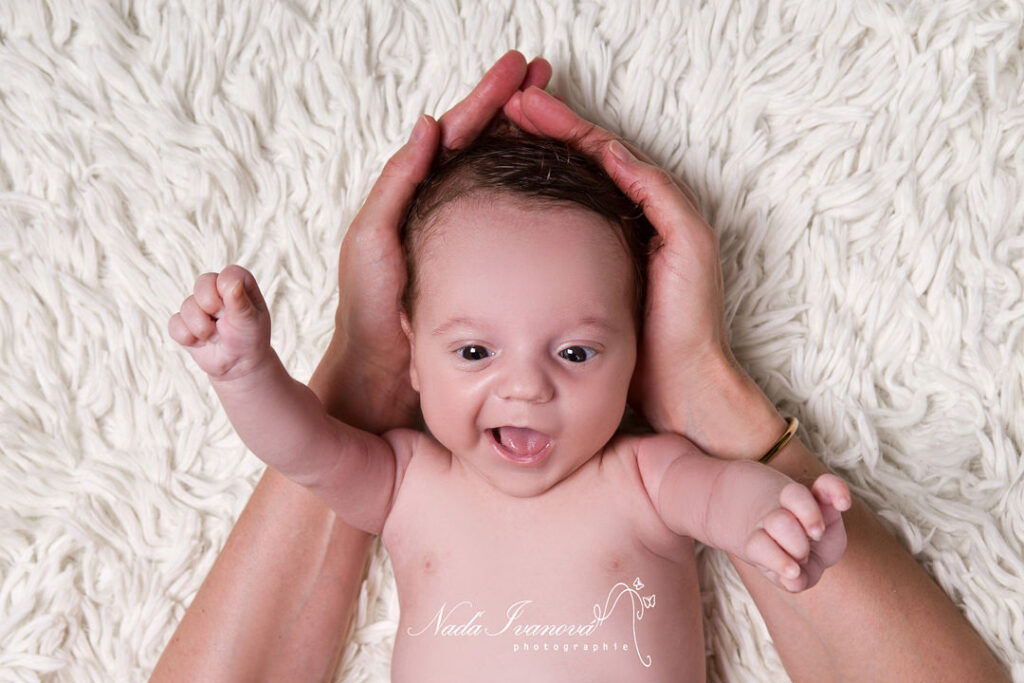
(446, 420)
(433, 413)
(601, 420)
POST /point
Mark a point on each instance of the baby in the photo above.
(529, 539)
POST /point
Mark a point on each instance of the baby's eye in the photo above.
(473, 352)
(577, 354)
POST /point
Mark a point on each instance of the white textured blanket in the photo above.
(863, 161)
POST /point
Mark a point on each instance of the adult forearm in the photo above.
(277, 600)
(874, 616)
(361, 394)
(732, 419)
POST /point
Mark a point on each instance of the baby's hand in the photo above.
(224, 325)
(803, 535)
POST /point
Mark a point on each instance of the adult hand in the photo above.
(688, 382)
(371, 269)
(687, 379)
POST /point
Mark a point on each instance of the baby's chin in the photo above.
(524, 488)
(523, 482)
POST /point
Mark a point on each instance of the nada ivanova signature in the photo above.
(444, 624)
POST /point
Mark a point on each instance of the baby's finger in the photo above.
(205, 292)
(792, 585)
(829, 489)
(196, 320)
(463, 123)
(764, 552)
(179, 332)
(241, 294)
(804, 506)
(788, 533)
(828, 551)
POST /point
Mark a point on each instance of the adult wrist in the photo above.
(791, 426)
(724, 412)
(361, 393)
(747, 424)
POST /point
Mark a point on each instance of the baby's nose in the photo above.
(526, 382)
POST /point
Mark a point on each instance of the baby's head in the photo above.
(522, 305)
(511, 165)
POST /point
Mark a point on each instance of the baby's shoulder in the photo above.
(620, 466)
(625, 452)
(411, 444)
(420, 463)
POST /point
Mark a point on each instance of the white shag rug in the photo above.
(863, 161)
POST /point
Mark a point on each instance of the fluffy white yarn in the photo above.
(863, 163)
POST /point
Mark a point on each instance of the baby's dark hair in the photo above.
(511, 162)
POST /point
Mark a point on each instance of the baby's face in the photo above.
(523, 338)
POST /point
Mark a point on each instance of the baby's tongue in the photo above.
(522, 441)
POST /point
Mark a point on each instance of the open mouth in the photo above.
(520, 445)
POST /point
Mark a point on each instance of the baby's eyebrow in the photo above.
(598, 322)
(447, 326)
(601, 323)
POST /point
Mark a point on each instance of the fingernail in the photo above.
(792, 571)
(817, 531)
(236, 290)
(620, 152)
(420, 129)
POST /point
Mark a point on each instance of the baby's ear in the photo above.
(414, 378)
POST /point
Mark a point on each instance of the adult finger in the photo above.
(463, 123)
(544, 114)
(552, 117)
(538, 74)
(386, 203)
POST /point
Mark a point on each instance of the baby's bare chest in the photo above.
(559, 587)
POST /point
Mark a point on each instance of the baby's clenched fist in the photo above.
(803, 535)
(224, 324)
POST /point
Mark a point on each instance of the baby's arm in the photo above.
(750, 511)
(225, 327)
